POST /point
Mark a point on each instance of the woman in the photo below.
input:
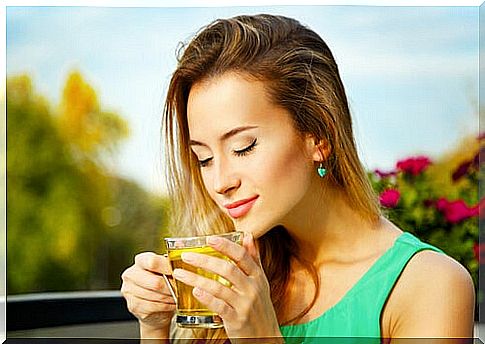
(259, 139)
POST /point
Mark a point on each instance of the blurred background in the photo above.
(85, 92)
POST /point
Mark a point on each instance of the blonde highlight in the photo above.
(300, 75)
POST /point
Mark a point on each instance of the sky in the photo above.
(411, 73)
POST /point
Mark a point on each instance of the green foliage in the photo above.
(40, 179)
(73, 226)
(88, 128)
(436, 207)
(136, 222)
(70, 225)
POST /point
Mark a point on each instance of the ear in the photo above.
(318, 149)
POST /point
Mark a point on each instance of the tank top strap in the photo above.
(357, 315)
(376, 285)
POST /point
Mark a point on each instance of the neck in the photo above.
(327, 229)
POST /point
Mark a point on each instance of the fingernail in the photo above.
(213, 240)
(198, 292)
(248, 237)
(179, 273)
(188, 257)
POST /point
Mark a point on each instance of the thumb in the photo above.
(250, 245)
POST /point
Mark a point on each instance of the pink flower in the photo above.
(441, 204)
(479, 251)
(480, 208)
(389, 198)
(413, 166)
(474, 211)
(455, 211)
(383, 174)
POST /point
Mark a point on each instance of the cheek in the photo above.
(207, 181)
(284, 173)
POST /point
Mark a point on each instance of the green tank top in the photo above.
(358, 313)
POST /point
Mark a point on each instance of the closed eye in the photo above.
(205, 162)
(246, 150)
(242, 152)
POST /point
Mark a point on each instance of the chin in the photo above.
(256, 228)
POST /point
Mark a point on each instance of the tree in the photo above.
(45, 214)
(70, 224)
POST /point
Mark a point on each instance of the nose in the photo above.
(225, 178)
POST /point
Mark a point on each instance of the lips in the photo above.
(240, 208)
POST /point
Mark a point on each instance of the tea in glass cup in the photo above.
(190, 312)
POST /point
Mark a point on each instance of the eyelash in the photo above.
(242, 152)
(246, 150)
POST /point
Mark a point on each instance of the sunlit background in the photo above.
(85, 92)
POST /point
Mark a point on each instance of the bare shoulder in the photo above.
(431, 265)
(434, 297)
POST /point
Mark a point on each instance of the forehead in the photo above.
(225, 102)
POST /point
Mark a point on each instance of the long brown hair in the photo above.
(300, 75)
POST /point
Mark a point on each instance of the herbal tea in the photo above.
(187, 303)
(190, 312)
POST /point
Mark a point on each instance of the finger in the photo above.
(222, 308)
(250, 244)
(219, 266)
(153, 262)
(236, 252)
(212, 286)
(130, 289)
(139, 306)
(147, 280)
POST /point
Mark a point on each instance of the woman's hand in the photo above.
(147, 295)
(245, 308)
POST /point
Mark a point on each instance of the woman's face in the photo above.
(254, 164)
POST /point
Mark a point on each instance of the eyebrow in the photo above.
(225, 136)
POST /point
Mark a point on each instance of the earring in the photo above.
(321, 170)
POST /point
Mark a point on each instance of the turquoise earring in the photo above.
(321, 171)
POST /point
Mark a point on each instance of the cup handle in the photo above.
(169, 284)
